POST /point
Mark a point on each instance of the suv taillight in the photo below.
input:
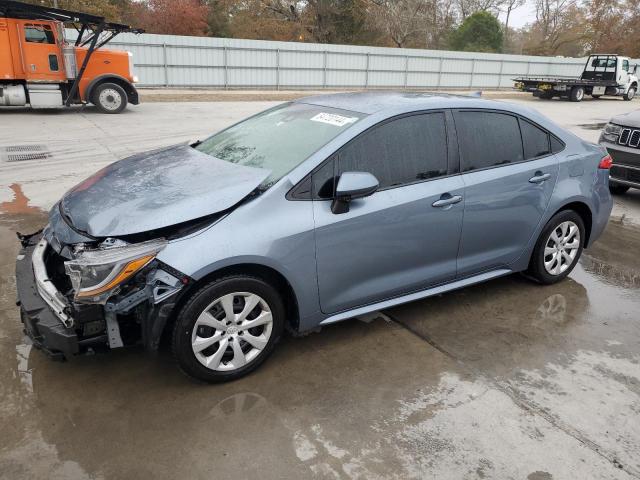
(606, 162)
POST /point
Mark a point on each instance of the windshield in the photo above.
(280, 138)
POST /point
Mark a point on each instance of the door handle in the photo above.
(446, 200)
(539, 177)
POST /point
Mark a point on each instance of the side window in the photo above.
(323, 181)
(400, 151)
(34, 33)
(556, 145)
(625, 65)
(535, 140)
(53, 63)
(487, 139)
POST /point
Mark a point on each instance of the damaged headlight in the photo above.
(611, 132)
(96, 273)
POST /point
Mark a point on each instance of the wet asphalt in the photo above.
(507, 379)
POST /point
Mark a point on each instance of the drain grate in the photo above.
(20, 153)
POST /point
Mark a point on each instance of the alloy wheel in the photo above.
(232, 331)
(561, 248)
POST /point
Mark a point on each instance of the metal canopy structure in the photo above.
(93, 30)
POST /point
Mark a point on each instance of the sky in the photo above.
(521, 16)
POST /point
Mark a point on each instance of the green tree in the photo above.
(480, 32)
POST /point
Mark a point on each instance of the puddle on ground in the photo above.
(357, 400)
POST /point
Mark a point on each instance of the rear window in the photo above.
(603, 63)
(488, 139)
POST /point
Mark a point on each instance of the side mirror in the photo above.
(353, 185)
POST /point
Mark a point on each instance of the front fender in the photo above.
(132, 93)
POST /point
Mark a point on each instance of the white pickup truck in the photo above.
(603, 74)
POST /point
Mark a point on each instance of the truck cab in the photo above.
(614, 69)
(41, 68)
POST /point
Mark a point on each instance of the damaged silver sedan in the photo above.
(313, 212)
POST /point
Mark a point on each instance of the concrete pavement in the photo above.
(502, 380)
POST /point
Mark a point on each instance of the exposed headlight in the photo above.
(96, 274)
(611, 132)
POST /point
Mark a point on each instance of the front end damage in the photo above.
(94, 295)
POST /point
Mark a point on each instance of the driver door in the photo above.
(395, 241)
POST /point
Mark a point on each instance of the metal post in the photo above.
(528, 67)
(473, 69)
(74, 87)
(164, 62)
(366, 78)
(406, 70)
(277, 69)
(324, 70)
(439, 73)
(225, 64)
(500, 74)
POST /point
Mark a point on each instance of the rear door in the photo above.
(509, 174)
(394, 241)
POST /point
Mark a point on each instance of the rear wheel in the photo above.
(630, 94)
(577, 94)
(109, 98)
(558, 248)
(616, 189)
(228, 328)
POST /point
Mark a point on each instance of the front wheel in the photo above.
(558, 248)
(109, 98)
(228, 328)
(630, 94)
(577, 94)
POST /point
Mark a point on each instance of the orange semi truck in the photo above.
(39, 67)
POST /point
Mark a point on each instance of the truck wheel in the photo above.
(630, 94)
(577, 94)
(109, 98)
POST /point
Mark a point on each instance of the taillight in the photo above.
(606, 162)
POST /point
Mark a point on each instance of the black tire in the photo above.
(109, 98)
(577, 94)
(199, 301)
(537, 268)
(630, 94)
(616, 189)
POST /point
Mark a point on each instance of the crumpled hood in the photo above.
(631, 119)
(157, 189)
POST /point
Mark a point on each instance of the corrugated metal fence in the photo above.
(177, 61)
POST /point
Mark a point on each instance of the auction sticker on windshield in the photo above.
(333, 119)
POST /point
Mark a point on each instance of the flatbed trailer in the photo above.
(602, 75)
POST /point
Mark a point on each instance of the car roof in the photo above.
(374, 102)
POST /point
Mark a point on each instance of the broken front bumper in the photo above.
(41, 305)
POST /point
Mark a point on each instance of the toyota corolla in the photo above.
(310, 213)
